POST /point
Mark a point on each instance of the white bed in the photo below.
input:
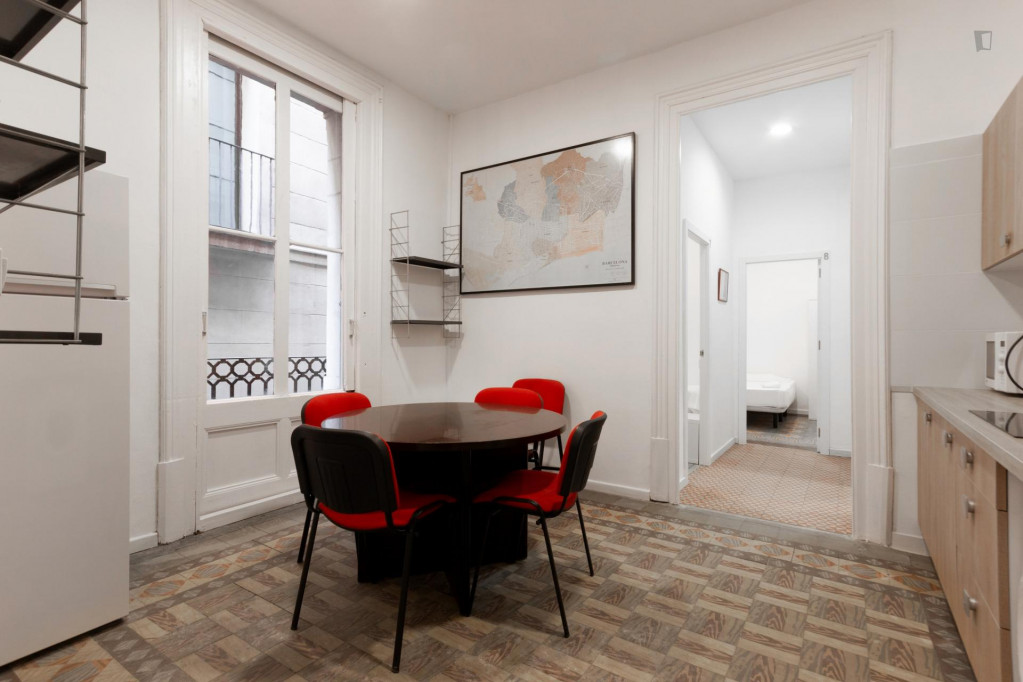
(769, 393)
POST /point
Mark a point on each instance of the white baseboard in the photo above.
(248, 510)
(722, 450)
(141, 542)
(914, 544)
(840, 453)
(620, 490)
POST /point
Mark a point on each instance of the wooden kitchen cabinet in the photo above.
(1002, 219)
(963, 518)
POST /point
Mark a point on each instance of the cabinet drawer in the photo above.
(987, 645)
(982, 540)
(987, 476)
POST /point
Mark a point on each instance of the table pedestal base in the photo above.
(448, 540)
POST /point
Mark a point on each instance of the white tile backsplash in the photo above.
(935, 189)
(945, 245)
(954, 302)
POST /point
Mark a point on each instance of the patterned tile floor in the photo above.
(672, 599)
(776, 483)
(797, 431)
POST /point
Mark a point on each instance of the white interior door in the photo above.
(694, 364)
(813, 338)
(824, 355)
(280, 210)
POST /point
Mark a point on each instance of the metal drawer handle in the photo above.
(966, 456)
(969, 603)
(928, 417)
(969, 506)
(948, 438)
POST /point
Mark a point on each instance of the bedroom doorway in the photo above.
(769, 180)
(784, 335)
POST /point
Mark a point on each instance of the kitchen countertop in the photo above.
(954, 405)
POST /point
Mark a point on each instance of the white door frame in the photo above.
(703, 456)
(868, 60)
(823, 355)
(185, 25)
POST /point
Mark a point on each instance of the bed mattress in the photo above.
(769, 393)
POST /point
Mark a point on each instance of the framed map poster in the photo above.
(555, 220)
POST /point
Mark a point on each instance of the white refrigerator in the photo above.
(64, 416)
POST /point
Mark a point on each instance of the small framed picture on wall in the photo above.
(723, 285)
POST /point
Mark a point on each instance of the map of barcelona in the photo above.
(560, 219)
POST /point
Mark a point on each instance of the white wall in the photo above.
(777, 317)
(942, 304)
(941, 88)
(708, 195)
(415, 147)
(801, 213)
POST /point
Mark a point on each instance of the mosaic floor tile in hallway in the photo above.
(672, 599)
(776, 483)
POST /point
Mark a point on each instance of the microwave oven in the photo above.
(999, 345)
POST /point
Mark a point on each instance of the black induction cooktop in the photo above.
(1010, 422)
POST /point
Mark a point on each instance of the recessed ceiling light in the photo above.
(780, 129)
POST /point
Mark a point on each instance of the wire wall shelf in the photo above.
(35, 162)
(402, 262)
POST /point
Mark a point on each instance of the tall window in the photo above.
(263, 313)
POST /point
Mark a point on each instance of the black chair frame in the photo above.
(342, 461)
(536, 455)
(584, 450)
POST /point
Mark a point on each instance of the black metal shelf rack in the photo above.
(32, 162)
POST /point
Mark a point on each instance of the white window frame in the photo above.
(286, 84)
(185, 47)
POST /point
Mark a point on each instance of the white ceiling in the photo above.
(821, 137)
(461, 54)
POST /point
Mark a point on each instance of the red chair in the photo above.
(315, 410)
(553, 394)
(515, 397)
(546, 495)
(350, 475)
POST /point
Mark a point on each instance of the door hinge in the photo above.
(818, 432)
(204, 323)
(818, 344)
(351, 327)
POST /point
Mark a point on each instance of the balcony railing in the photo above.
(241, 189)
(245, 377)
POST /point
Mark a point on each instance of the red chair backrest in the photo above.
(518, 397)
(551, 390)
(327, 405)
(580, 451)
(352, 472)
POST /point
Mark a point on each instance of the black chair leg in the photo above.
(539, 455)
(554, 574)
(561, 450)
(305, 530)
(305, 571)
(479, 557)
(586, 543)
(405, 574)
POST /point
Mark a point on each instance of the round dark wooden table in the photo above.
(456, 448)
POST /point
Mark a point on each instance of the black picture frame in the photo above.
(632, 219)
